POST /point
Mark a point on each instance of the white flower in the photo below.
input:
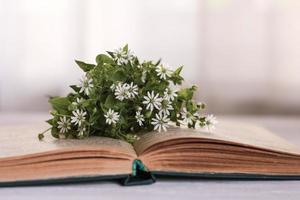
(86, 84)
(188, 118)
(122, 57)
(132, 90)
(165, 107)
(111, 116)
(78, 101)
(210, 122)
(64, 124)
(144, 76)
(152, 101)
(139, 118)
(78, 117)
(122, 91)
(126, 91)
(163, 72)
(160, 122)
(170, 94)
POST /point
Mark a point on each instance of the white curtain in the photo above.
(244, 55)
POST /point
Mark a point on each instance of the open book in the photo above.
(232, 151)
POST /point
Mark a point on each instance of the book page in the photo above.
(23, 140)
(236, 132)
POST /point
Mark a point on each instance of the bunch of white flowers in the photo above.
(121, 97)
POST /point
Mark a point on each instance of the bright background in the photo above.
(243, 55)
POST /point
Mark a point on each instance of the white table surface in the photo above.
(287, 127)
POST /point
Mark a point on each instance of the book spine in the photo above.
(140, 175)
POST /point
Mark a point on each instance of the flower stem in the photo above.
(41, 135)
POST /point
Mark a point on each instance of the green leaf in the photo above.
(176, 78)
(85, 66)
(110, 101)
(72, 107)
(88, 103)
(53, 113)
(191, 106)
(158, 62)
(187, 93)
(148, 114)
(119, 75)
(60, 104)
(75, 88)
(50, 121)
(178, 70)
(110, 53)
(125, 48)
(54, 132)
(102, 58)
